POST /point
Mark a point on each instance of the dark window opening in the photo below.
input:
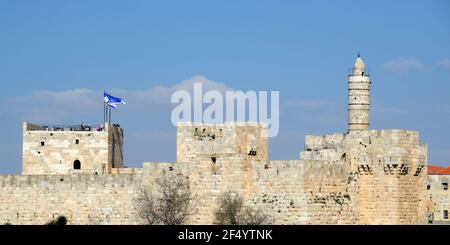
(213, 159)
(428, 187)
(445, 214)
(77, 164)
(445, 186)
(252, 152)
(39, 152)
(77, 141)
(42, 143)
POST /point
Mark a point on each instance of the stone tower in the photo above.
(358, 97)
(71, 149)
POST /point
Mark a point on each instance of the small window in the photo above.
(445, 186)
(77, 141)
(428, 186)
(445, 214)
(42, 143)
(213, 159)
(252, 152)
(77, 164)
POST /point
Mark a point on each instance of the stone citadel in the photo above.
(362, 176)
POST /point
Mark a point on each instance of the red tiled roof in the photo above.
(445, 171)
(438, 170)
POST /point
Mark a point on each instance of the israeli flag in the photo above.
(113, 101)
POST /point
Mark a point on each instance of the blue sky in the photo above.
(55, 53)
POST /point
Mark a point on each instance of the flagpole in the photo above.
(104, 108)
(109, 112)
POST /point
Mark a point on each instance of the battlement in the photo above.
(383, 149)
(62, 127)
(335, 141)
(231, 140)
(320, 142)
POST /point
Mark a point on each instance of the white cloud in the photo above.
(188, 85)
(444, 63)
(161, 94)
(404, 65)
(51, 106)
(62, 106)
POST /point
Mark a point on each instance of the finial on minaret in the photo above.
(359, 55)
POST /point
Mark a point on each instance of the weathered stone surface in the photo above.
(368, 177)
(439, 198)
(362, 177)
(55, 151)
(358, 97)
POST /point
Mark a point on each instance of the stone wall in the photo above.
(83, 199)
(365, 177)
(439, 198)
(303, 192)
(388, 167)
(278, 188)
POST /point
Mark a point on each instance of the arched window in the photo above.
(77, 164)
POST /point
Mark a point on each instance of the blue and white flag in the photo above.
(113, 101)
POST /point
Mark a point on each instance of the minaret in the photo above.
(358, 97)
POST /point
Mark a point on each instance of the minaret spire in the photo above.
(358, 97)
